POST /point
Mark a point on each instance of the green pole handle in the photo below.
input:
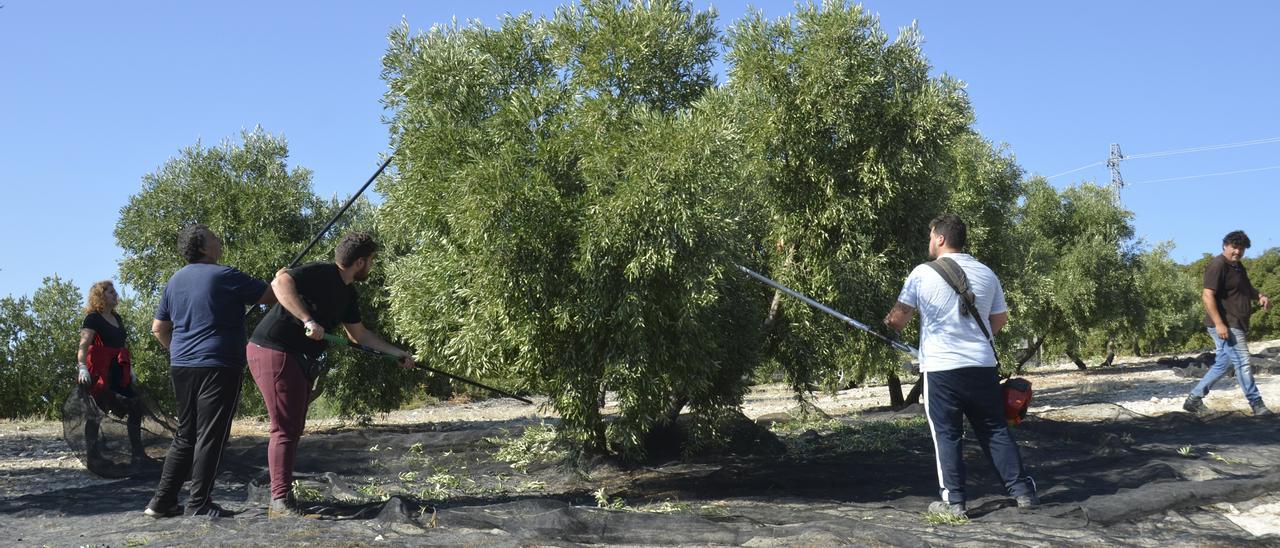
(339, 340)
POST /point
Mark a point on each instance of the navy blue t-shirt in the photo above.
(206, 303)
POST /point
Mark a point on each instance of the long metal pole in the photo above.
(343, 341)
(337, 216)
(855, 323)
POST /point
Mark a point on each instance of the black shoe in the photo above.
(1028, 502)
(1194, 404)
(212, 509)
(169, 512)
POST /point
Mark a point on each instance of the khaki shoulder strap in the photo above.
(955, 277)
(950, 271)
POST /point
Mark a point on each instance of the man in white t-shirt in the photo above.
(959, 367)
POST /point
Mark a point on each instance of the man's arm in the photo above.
(163, 331)
(1208, 296)
(358, 334)
(899, 316)
(998, 321)
(285, 290)
(269, 296)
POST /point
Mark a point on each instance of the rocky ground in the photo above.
(1115, 458)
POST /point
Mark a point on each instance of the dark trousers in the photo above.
(972, 392)
(287, 394)
(207, 400)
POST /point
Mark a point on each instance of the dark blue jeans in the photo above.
(972, 392)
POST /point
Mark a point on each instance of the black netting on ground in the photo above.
(115, 436)
(1120, 478)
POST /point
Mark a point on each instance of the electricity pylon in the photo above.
(1113, 163)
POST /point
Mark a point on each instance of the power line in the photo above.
(1185, 177)
(1202, 148)
(1075, 170)
(1175, 152)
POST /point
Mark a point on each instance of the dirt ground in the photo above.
(1115, 459)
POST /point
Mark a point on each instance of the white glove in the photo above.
(314, 330)
(133, 377)
(82, 376)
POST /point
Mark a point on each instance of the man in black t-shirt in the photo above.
(315, 299)
(1228, 302)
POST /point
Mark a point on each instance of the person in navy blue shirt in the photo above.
(200, 320)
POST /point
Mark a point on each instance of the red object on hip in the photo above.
(99, 363)
(1017, 397)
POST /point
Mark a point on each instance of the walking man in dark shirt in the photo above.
(314, 299)
(1228, 302)
(200, 320)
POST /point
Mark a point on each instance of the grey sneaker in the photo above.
(943, 507)
(285, 507)
(1194, 404)
(1260, 409)
(1028, 502)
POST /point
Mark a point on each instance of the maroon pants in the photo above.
(286, 392)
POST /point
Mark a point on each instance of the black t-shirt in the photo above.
(330, 301)
(1233, 292)
(113, 336)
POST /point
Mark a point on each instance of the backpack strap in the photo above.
(950, 271)
(955, 277)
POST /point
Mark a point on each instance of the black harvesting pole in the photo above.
(343, 341)
(337, 216)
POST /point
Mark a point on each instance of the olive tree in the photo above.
(1077, 271)
(852, 139)
(265, 214)
(1168, 310)
(39, 336)
(567, 211)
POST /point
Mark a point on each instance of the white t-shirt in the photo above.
(948, 339)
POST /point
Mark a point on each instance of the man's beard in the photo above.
(362, 275)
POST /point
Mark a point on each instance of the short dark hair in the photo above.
(1237, 238)
(353, 247)
(191, 242)
(952, 228)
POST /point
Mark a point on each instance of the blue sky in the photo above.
(93, 95)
